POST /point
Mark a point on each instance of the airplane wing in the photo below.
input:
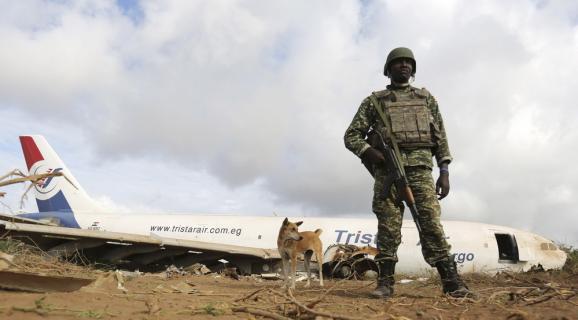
(130, 250)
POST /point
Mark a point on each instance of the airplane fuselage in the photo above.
(477, 247)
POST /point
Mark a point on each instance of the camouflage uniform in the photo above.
(418, 166)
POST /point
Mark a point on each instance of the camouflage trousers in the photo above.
(434, 246)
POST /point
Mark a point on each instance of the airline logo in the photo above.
(43, 186)
(47, 187)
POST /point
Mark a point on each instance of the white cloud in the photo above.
(243, 105)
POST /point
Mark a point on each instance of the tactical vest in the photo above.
(411, 121)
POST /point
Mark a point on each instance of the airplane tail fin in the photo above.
(53, 193)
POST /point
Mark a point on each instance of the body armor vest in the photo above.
(411, 121)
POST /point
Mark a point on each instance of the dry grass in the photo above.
(28, 258)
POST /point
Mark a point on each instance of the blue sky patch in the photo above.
(132, 9)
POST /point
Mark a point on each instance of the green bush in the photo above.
(571, 264)
(9, 246)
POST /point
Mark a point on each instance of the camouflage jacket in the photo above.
(368, 118)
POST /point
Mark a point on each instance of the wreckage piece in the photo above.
(346, 261)
(13, 279)
(33, 282)
(335, 261)
(131, 250)
(364, 267)
(197, 269)
(340, 269)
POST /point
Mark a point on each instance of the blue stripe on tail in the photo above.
(61, 218)
(57, 203)
(55, 208)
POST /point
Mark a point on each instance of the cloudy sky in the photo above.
(239, 107)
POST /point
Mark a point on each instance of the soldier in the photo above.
(417, 127)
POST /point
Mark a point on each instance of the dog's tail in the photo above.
(318, 232)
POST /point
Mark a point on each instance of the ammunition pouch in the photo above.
(411, 123)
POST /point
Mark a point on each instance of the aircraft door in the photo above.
(507, 247)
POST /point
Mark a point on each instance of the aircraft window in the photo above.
(507, 247)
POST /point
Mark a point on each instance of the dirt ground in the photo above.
(540, 295)
(176, 294)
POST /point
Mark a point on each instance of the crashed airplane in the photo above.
(69, 222)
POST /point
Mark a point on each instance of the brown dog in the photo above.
(291, 243)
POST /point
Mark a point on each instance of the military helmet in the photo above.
(397, 53)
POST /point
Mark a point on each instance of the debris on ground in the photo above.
(197, 269)
(129, 275)
(346, 261)
(107, 282)
(271, 276)
(231, 272)
(180, 287)
(173, 271)
(37, 282)
(404, 281)
(120, 281)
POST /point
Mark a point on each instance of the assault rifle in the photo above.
(396, 175)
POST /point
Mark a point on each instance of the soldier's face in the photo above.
(400, 70)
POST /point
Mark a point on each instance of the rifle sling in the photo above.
(387, 124)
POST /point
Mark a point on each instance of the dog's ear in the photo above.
(286, 221)
(298, 223)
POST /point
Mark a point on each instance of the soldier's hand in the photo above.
(443, 185)
(372, 156)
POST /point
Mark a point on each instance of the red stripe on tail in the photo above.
(31, 152)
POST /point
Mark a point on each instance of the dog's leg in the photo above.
(320, 263)
(285, 271)
(293, 270)
(308, 255)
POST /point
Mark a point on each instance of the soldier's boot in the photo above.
(452, 283)
(385, 280)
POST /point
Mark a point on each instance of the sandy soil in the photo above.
(156, 296)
